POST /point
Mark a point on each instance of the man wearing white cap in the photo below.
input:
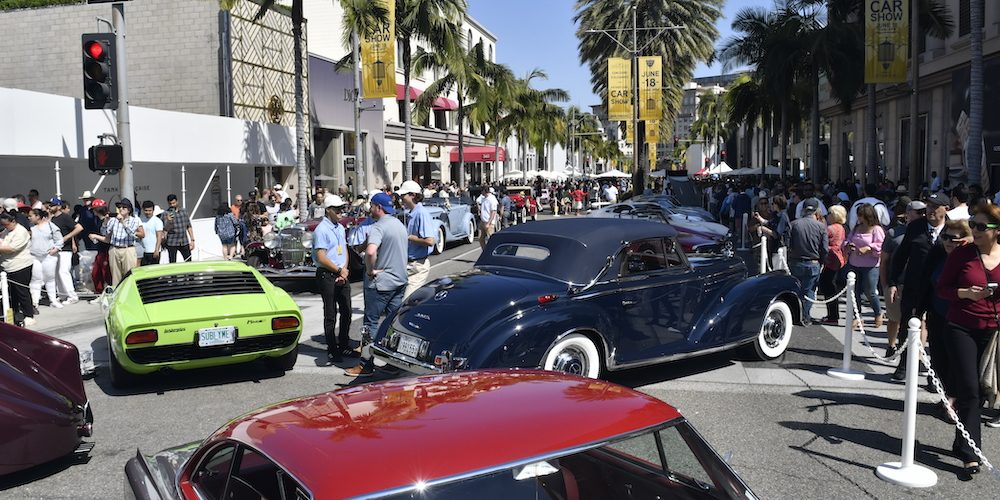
(422, 238)
(282, 195)
(330, 257)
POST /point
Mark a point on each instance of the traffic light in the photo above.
(105, 158)
(100, 86)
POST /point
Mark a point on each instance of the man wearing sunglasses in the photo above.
(909, 266)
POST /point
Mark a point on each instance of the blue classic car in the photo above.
(586, 296)
(454, 219)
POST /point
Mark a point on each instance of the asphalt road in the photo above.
(792, 432)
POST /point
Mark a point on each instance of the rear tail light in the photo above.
(141, 337)
(545, 299)
(284, 323)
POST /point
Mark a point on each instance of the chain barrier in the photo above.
(827, 301)
(864, 338)
(983, 461)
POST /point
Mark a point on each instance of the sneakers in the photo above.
(29, 322)
(71, 300)
(56, 304)
(994, 423)
(96, 301)
(34, 310)
(830, 321)
(890, 351)
(900, 374)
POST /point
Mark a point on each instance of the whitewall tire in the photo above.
(575, 354)
(775, 331)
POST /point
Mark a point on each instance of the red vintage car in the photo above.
(44, 411)
(477, 434)
(525, 206)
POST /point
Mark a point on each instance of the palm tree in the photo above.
(681, 49)
(492, 103)
(750, 105)
(528, 109)
(974, 151)
(436, 23)
(712, 119)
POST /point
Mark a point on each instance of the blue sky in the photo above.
(541, 34)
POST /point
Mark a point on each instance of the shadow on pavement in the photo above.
(42, 471)
(636, 377)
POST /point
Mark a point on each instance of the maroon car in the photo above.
(44, 412)
(498, 434)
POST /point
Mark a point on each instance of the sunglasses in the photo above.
(982, 226)
(953, 238)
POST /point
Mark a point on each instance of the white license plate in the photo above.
(408, 345)
(220, 335)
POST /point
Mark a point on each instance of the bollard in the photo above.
(845, 372)
(782, 259)
(6, 298)
(905, 472)
(743, 232)
(763, 254)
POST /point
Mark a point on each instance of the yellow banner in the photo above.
(650, 88)
(886, 40)
(629, 135)
(652, 155)
(653, 131)
(378, 57)
(619, 85)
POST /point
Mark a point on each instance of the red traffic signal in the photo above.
(100, 90)
(105, 158)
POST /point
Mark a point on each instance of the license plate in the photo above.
(408, 345)
(220, 335)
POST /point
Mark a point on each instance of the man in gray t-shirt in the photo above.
(385, 276)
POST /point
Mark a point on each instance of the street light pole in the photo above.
(126, 185)
(360, 174)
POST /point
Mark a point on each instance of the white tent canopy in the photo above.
(721, 168)
(613, 174)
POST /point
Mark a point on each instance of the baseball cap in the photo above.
(810, 205)
(916, 205)
(385, 201)
(409, 187)
(9, 204)
(842, 196)
(277, 186)
(98, 203)
(332, 200)
(124, 203)
(938, 199)
(56, 201)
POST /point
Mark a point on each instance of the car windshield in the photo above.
(667, 463)
(436, 201)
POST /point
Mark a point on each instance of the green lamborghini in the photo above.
(194, 315)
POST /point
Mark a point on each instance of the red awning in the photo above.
(443, 103)
(414, 92)
(478, 153)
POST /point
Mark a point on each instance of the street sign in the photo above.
(105, 158)
(349, 164)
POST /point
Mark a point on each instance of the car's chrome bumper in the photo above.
(404, 362)
(297, 272)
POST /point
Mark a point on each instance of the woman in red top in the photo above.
(968, 282)
(835, 260)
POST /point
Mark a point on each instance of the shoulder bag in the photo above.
(989, 363)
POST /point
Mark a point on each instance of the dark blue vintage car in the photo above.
(586, 296)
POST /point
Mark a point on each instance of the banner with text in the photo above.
(619, 85)
(653, 131)
(378, 56)
(629, 135)
(650, 88)
(652, 155)
(886, 40)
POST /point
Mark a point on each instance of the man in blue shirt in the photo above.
(330, 257)
(421, 239)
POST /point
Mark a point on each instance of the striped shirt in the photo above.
(122, 232)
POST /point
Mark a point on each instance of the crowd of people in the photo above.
(933, 256)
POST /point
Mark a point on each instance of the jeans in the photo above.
(867, 284)
(185, 251)
(336, 297)
(807, 272)
(965, 349)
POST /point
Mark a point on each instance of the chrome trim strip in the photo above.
(403, 361)
(548, 456)
(680, 356)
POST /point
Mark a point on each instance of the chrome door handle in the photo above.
(628, 302)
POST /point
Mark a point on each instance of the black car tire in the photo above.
(575, 354)
(775, 331)
(441, 242)
(286, 361)
(120, 378)
(471, 238)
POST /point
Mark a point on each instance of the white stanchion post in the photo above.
(3, 292)
(905, 472)
(783, 258)
(763, 254)
(845, 372)
(743, 233)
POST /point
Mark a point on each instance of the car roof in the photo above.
(143, 272)
(580, 245)
(396, 433)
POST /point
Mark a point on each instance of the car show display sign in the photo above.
(629, 133)
(886, 40)
(619, 85)
(652, 155)
(653, 131)
(378, 56)
(650, 88)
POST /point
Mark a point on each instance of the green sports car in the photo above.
(194, 315)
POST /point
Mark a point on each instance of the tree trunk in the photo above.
(974, 148)
(407, 112)
(784, 142)
(461, 139)
(871, 139)
(815, 160)
(300, 125)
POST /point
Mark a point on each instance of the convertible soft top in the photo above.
(578, 247)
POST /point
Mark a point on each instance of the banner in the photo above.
(652, 155)
(629, 135)
(886, 40)
(650, 88)
(619, 84)
(653, 131)
(378, 57)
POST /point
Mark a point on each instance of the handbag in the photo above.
(989, 363)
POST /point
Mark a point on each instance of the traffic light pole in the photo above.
(126, 186)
